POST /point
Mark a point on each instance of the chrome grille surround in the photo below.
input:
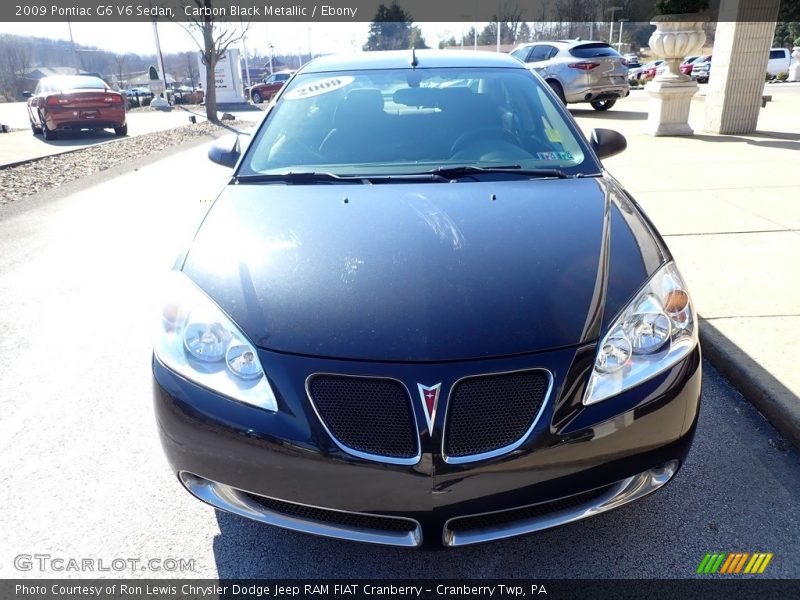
(395, 460)
(494, 453)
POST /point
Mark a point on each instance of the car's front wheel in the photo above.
(556, 87)
(257, 99)
(36, 130)
(604, 104)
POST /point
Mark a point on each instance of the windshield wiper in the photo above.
(300, 177)
(470, 171)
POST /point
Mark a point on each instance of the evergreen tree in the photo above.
(392, 29)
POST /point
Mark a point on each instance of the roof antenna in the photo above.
(414, 61)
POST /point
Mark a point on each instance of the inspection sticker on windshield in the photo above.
(318, 87)
(553, 135)
(554, 156)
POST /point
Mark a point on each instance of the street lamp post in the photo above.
(613, 10)
(246, 61)
(271, 56)
(619, 43)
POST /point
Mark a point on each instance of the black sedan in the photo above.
(421, 312)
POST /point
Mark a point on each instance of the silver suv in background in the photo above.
(578, 71)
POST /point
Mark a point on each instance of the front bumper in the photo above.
(284, 469)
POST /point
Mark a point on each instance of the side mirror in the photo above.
(226, 150)
(607, 142)
(26, 94)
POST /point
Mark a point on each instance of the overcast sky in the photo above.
(287, 38)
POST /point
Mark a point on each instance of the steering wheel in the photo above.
(478, 135)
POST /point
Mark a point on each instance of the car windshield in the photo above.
(409, 121)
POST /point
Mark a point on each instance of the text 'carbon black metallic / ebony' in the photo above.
(487, 413)
(372, 416)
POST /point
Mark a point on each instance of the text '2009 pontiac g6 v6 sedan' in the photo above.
(421, 312)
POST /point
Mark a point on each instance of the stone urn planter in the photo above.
(794, 69)
(676, 37)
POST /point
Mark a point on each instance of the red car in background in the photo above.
(75, 102)
(265, 90)
(690, 62)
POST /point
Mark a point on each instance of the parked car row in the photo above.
(699, 67)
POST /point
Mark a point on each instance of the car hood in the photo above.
(408, 272)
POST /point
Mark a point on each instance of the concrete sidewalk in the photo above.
(729, 209)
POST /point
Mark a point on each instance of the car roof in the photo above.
(401, 59)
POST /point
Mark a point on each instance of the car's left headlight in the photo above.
(654, 331)
(200, 342)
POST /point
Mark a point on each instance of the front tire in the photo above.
(36, 130)
(120, 131)
(556, 87)
(604, 104)
(257, 99)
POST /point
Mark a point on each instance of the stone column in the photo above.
(738, 69)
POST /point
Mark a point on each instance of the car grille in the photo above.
(348, 520)
(493, 412)
(369, 415)
(515, 515)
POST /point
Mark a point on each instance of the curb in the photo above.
(776, 402)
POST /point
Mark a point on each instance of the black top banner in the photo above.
(466, 11)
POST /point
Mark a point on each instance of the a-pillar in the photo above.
(741, 50)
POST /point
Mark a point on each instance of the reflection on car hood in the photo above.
(408, 272)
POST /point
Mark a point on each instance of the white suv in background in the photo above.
(779, 61)
(578, 71)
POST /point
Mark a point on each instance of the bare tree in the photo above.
(215, 38)
(191, 68)
(120, 60)
(17, 59)
(511, 17)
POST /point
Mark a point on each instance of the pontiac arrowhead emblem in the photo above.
(430, 398)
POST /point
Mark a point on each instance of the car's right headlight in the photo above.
(656, 330)
(200, 342)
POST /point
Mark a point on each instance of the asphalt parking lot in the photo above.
(84, 476)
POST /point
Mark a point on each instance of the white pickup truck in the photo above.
(779, 61)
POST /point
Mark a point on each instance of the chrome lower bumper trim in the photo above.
(235, 501)
(621, 493)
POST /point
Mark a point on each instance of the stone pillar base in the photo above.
(669, 107)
